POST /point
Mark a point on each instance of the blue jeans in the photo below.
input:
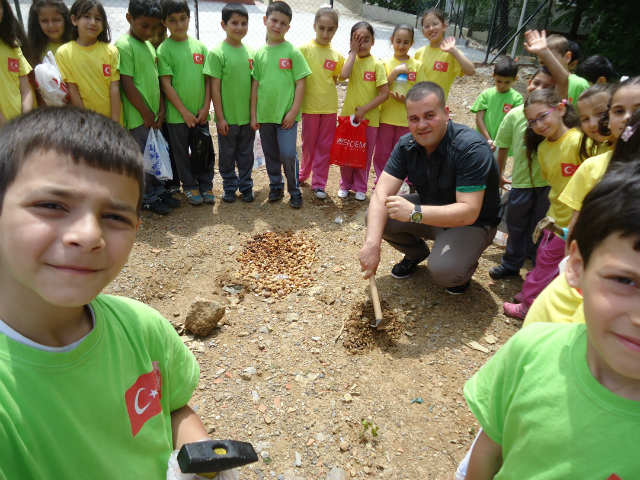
(236, 150)
(279, 148)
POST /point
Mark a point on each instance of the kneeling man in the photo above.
(458, 203)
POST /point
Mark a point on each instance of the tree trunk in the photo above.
(575, 25)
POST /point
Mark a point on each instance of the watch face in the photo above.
(416, 217)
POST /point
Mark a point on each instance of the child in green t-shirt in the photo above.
(495, 102)
(142, 100)
(91, 385)
(229, 65)
(277, 91)
(563, 400)
(181, 62)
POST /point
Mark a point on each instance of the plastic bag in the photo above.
(52, 89)
(156, 156)
(203, 157)
(258, 153)
(174, 472)
(349, 147)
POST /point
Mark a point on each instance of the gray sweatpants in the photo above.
(279, 148)
(236, 150)
(179, 135)
(456, 251)
(152, 186)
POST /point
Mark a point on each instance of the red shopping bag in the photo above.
(349, 147)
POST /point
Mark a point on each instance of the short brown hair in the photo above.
(558, 44)
(424, 89)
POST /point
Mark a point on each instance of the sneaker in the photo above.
(208, 197)
(229, 197)
(343, 193)
(169, 201)
(194, 197)
(296, 202)
(457, 290)
(500, 272)
(173, 189)
(516, 310)
(157, 207)
(275, 194)
(406, 267)
(361, 196)
(519, 297)
(248, 196)
(320, 193)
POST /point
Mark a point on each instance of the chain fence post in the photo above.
(19, 13)
(517, 39)
(490, 37)
(464, 11)
(546, 21)
(195, 7)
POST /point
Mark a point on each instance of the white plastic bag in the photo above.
(405, 189)
(49, 81)
(258, 153)
(156, 156)
(174, 472)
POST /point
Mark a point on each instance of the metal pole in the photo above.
(19, 13)
(493, 22)
(515, 42)
(546, 22)
(195, 7)
(464, 11)
(331, 3)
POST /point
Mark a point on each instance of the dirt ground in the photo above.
(273, 373)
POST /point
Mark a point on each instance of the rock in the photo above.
(298, 462)
(243, 334)
(348, 398)
(262, 408)
(319, 437)
(263, 330)
(292, 317)
(339, 221)
(218, 396)
(344, 446)
(262, 445)
(316, 339)
(204, 314)
(254, 396)
(337, 473)
(245, 376)
(268, 420)
(251, 370)
(264, 454)
(353, 472)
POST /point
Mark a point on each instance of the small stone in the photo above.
(218, 396)
(251, 370)
(367, 470)
(353, 472)
(310, 442)
(245, 376)
(298, 462)
(277, 402)
(262, 408)
(339, 221)
(262, 346)
(173, 290)
(176, 314)
(268, 420)
(316, 339)
(348, 398)
(264, 330)
(264, 454)
(337, 473)
(344, 446)
(220, 372)
(204, 314)
(255, 397)
(293, 317)
(160, 295)
(243, 334)
(400, 450)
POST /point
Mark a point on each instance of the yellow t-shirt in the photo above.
(12, 66)
(51, 47)
(325, 62)
(366, 76)
(585, 178)
(92, 69)
(440, 67)
(392, 111)
(558, 162)
(557, 303)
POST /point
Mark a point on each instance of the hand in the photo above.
(448, 45)
(160, 118)
(288, 120)
(190, 119)
(504, 181)
(402, 68)
(398, 97)
(356, 41)
(492, 145)
(149, 120)
(203, 113)
(360, 113)
(369, 257)
(399, 208)
(254, 124)
(222, 127)
(536, 42)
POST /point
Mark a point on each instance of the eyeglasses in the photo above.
(540, 118)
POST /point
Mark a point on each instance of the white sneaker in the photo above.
(343, 193)
(361, 196)
(320, 193)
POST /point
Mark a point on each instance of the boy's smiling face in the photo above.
(66, 230)
(236, 27)
(277, 26)
(610, 285)
(178, 25)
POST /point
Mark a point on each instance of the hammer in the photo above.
(548, 223)
(209, 458)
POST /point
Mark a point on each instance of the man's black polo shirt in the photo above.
(463, 161)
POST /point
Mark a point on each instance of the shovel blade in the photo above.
(380, 323)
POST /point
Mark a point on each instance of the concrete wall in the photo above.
(354, 5)
(382, 14)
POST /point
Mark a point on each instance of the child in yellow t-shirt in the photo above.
(403, 72)
(16, 96)
(442, 61)
(50, 27)
(367, 90)
(89, 64)
(320, 104)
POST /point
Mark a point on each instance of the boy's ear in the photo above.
(129, 18)
(574, 269)
(223, 25)
(74, 21)
(601, 80)
(265, 20)
(516, 79)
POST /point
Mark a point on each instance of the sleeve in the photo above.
(457, 68)
(214, 63)
(421, 73)
(381, 74)
(205, 55)
(473, 167)
(396, 165)
(387, 66)
(126, 64)
(164, 61)
(504, 137)
(579, 185)
(339, 66)
(481, 102)
(114, 54)
(256, 72)
(300, 66)
(62, 59)
(23, 66)
(518, 100)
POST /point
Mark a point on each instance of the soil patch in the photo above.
(359, 336)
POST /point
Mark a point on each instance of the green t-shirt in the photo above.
(138, 60)
(538, 399)
(577, 85)
(101, 410)
(277, 69)
(233, 67)
(496, 106)
(185, 62)
(511, 135)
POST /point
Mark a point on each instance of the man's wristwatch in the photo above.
(416, 214)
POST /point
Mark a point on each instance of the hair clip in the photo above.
(623, 78)
(628, 133)
(564, 102)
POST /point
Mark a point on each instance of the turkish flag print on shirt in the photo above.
(568, 169)
(329, 65)
(285, 64)
(106, 70)
(412, 76)
(506, 108)
(198, 58)
(13, 65)
(143, 398)
(369, 76)
(251, 64)
(441, 66)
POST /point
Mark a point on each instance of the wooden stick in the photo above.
(375, 298)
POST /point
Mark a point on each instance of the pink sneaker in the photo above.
(517, 310)
(519, 297)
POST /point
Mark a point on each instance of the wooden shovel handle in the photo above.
(375, 298)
